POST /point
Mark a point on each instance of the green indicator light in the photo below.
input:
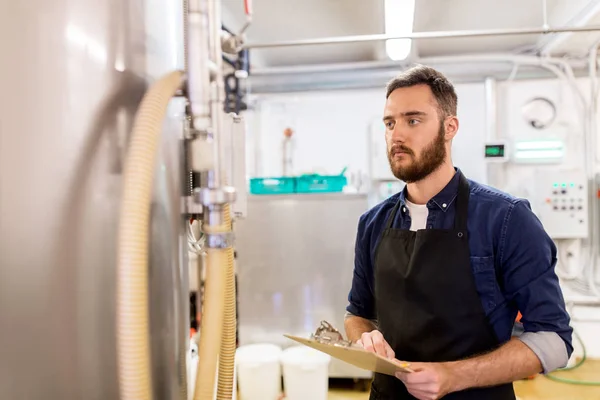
(494, 151)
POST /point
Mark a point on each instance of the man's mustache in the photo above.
(399, 148)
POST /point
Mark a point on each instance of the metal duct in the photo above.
(460, 69)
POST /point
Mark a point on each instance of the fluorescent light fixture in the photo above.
(399, 17)
(539, 151)
(540, 145)
(539, 154)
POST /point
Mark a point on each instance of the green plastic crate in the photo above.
(276, 185)
(320, 183)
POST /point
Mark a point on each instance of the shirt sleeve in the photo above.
(548, 347)
(528, 258)
(361, 300)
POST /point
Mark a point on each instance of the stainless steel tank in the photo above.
(71, 76)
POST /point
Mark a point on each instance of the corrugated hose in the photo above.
(133, 348)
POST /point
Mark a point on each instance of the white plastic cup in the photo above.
(305, 373)
(258, 371)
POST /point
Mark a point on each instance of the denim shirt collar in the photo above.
(443, 199)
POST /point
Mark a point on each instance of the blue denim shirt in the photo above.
(512, 258)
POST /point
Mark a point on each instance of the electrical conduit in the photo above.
(133, 347)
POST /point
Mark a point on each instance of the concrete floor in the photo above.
(539, 388)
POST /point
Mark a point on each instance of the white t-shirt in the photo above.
(418, 215)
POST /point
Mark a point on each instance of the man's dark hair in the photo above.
(442, 88)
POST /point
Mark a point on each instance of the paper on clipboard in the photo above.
(350, 353)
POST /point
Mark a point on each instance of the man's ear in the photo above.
(451, 125)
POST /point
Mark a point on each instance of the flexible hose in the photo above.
(226, 382)
(133, 348)
(211, 324)
(218, 321)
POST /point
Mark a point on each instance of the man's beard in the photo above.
(431, 159)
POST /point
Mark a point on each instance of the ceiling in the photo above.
(281, 20)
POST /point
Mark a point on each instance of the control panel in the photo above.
(562, 202)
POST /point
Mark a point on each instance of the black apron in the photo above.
(427, 304)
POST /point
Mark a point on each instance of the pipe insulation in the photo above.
(133, 347)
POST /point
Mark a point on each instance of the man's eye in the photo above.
(413, 121)
(389, 124)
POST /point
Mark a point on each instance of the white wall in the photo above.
(332, 131)
(333, 128)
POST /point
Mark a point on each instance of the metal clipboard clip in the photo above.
(327, 334)
(329, 340)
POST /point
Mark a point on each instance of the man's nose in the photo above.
(398, 134)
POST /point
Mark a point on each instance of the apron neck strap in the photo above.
(462, 204)
(392, 216)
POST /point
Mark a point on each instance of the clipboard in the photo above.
(328, 340)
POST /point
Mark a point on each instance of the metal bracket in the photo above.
(189, 206)
(327, 334)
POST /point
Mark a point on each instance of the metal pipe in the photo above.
(217, 89)
(371, 65)
(186, 8)
(495, 172)
(545, 14)
(421, 35)
(212, 69)
(490, 109)
(198, 73)
(593, 73)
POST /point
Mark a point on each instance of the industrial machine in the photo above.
(114, 136)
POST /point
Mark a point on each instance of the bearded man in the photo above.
(443, 267)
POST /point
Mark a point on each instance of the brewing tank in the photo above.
(72, 75)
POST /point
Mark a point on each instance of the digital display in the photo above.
(494, 150)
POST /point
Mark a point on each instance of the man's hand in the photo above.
(430, 381)
(374, 342)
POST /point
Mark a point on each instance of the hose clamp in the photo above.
(219, 240)
(214, 197)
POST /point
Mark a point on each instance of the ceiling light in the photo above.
(399, 17)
